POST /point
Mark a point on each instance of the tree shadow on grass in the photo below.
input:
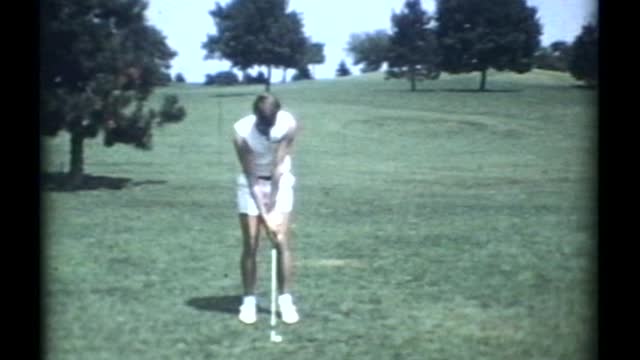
(226, 303)
(450, 90)
(226, 95)
(585, 87)
(59, 182)
(408, 91)
(480, 91)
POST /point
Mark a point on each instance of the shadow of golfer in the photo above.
(59, 182)
(227, 304)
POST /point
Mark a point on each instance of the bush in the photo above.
(170, 111)
(249, 79)
(133, 129)
(179, 78)
(222, 78)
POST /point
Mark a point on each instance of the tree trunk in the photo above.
(244, 76)
(268, 84)
(76, 171)
(483, 80)
(284, 75)
(412, 77)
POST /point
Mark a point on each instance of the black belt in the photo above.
(268, 178)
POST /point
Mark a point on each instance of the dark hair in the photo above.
(272, 103)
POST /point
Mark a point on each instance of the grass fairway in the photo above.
(441, 224)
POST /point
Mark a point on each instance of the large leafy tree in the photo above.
(413, 46)
(583, 64)
(99, 63)
(369, 49)
(477, 35)
(302, 73)
(314, 54)
(256, 33)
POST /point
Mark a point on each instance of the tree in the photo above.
(476, 35)
(314, 54)
(249, 79)
(369, 49)
(583, 64)
(553, 57)
(343, 70)
(261, 78)
(560, 48)
(99, 62)
(163, 79)
(413, 46)
(302, 73)
(256, 33)
(179, 78)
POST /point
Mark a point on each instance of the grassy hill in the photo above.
(440, 224)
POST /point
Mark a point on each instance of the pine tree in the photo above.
(413, 47)
(343, 70)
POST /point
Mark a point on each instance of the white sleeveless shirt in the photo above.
(264, 148)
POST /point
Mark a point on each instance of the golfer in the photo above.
(263, 143)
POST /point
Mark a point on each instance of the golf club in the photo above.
(274, 282)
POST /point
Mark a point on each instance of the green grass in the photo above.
(441, 224)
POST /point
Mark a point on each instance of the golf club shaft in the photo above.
(274, 283)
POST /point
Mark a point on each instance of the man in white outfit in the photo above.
(263, 142)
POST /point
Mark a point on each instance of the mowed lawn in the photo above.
(441, 224)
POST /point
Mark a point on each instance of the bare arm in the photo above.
(245, 156)
(283, 149)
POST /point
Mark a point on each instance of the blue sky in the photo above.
(187, 23)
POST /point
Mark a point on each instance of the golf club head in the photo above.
(275, 337)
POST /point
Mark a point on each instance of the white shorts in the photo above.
(284, 199)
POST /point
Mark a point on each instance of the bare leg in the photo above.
(250, 242)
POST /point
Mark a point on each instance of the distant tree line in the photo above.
(464, 36)
(470, 36)
(229, 77)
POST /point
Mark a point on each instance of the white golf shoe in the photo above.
(248, 313)
(288, 311)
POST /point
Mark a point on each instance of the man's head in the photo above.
(265, 108)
